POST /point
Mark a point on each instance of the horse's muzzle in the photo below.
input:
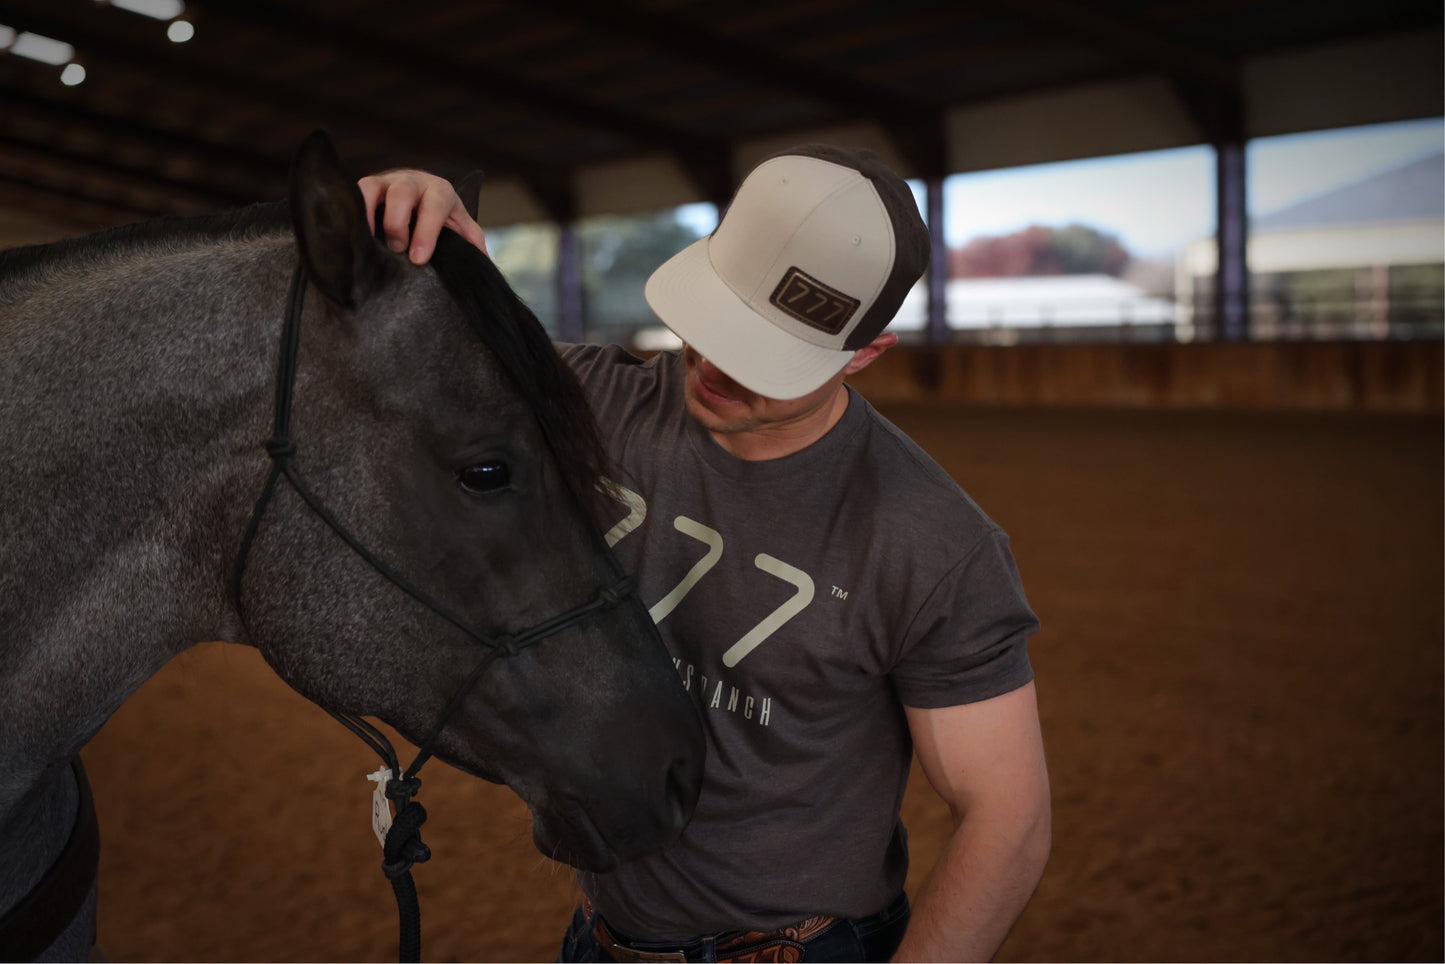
(606, 830)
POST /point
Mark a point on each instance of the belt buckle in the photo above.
(622, 951)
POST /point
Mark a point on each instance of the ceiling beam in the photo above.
(263, 176)
(205, 195)
(1208, 85)
(164, 65)
(699, 154)
(1218, 112)
(916, 125)
(1139, 45)
(476, 78)
(72, 204)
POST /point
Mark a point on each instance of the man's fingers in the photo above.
(430, 199)
(432, 212)
(469, 229)
(372, 188)
(401, 199)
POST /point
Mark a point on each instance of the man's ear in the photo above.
(869, 353)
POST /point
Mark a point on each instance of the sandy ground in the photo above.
(1240, 676)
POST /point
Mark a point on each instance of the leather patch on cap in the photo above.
(813, 303)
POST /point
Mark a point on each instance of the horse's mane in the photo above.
(242, 224)
(516, 338)
(505, 325)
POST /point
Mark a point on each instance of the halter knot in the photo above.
(280, 449)
(615, 593)
(403, 845)
(403, 789)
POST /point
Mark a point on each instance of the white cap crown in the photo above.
(809, 263)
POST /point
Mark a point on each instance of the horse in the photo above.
(390, 496)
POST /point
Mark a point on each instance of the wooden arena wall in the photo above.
(1398, 376)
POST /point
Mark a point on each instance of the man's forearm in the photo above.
(977, 889)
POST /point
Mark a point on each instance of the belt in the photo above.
(781, 946)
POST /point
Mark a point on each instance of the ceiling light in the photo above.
(7, 37)
(180, 31)
(159, 9)
(72, 74)
(43, 49)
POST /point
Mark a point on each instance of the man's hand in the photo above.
(431, 198)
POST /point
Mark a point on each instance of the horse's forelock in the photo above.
(521, 346)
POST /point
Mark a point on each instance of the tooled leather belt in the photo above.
(781, 946)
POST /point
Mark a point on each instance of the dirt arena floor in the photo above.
(1240, 676)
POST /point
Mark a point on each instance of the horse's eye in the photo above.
(486, 477)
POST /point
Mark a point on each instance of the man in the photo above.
(832, 599)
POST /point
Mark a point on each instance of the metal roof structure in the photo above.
(575, 108)
(1411, 192)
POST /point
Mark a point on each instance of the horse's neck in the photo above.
(134, 400)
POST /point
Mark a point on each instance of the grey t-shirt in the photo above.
(805, 600)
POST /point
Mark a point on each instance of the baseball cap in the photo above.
(810, 262)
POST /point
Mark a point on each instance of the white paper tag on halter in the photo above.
(380, 806)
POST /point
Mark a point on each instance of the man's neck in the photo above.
(775, 440)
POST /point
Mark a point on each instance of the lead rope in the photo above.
(402, 846)
(401, 843)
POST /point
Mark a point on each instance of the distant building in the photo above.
(1005, 308)
(1363, 260)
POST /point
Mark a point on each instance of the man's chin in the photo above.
(704, 414)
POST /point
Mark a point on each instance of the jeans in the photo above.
(872, 938)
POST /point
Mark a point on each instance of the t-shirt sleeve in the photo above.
(616, 383)
(584, 360)
(969, 640)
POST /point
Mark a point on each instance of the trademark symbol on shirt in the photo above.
(839, 593)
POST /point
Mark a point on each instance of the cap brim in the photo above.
(703, 311)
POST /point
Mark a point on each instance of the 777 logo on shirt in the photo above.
(801, 582)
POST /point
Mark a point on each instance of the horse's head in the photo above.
(435, 422)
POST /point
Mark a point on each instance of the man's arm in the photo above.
(431, 198)
(986, 760)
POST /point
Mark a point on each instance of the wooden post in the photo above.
(1231, 278)
(570, 320)
(937, 330)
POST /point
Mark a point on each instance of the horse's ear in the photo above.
(329, 216)
(469, 189)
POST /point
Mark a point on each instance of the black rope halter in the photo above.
(402, 847)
